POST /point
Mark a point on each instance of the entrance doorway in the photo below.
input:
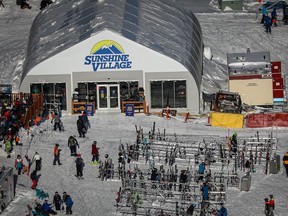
(108, 97)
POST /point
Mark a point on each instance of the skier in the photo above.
(267, 207)
(69, 204)
(38, 160)
(95, 153)
(233, 141)
(34, 178)
(81, 127)
(57, 201)
(56, 155)
(272, 204)
(57, 121)
(46, 207)
(18, 164)
(285, 162)
(108, 166)
(222, 211)
(79, 166)
(267, 22)
(72, 144)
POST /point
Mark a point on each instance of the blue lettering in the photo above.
(87, 60)
(95, 66)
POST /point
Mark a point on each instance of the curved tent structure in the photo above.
(159, 26)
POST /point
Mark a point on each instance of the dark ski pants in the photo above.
(81, 133)
(56, 159)
(79, 171)
(19, 171)
(73, 150)
(34, 185)
(286, 167)
(95, 157)
(58, 206)
(38, 165)
(57, 124)
(68, 210)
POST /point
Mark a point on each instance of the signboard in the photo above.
(129, 109)
(107, 55)
(89, 108)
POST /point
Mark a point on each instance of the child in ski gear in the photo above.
(69, 204)
(56, 155)
(57, 121)
(37, 158)
(79, 166)
(95, 153)
(81, 127)
(18, 164)
(57, 201)
(222, 211)
(72, 144)
(34, 178)
(285, 162)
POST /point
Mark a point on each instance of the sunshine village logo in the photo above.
(107, 54)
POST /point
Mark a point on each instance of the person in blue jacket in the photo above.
(46, 208)
(222, 211)
(264, 13)
(268, 24)
(205, 190)
(69, 204)
(201, 170)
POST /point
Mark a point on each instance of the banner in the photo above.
(228, 120)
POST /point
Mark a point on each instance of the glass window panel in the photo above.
(83, 96)
(91, 92)
(48, 88)
(36, 88)
(180, 94)
(168, 94)
(60, 95)
(124, 91)
(156, 94)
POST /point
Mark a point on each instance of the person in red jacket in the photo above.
(95, 153)
(56, 155)
(271, 203)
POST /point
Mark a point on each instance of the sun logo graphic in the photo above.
(107, 54)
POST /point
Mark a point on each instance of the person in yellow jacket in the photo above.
(285, 162)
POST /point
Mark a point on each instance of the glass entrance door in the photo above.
(108, 97)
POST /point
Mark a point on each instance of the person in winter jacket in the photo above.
(85, 120)
(95, 153)
(285, 162)
(46, 207)
(69, 204)
(57, 201)
(38, 160)
(201, 170)
(267, 22)
(271, 204)
(274, 17)
(18, 164)
(8, 148)
(34, 178)
(72, 144)
(108, 166)
(26, 165)
(57, 121)
(222, 211)
(205, 190)
(267, 207)
(79, 166)
(264, 13)
(56, 155)
(233, 141)
(81, 127)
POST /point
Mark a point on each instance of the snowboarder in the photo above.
(57, 121)
(57, 201)
(222, 211)
(79, 166)
(95, 153)
(285, 162)
(38, 160)
(69, 204)
(18, 164)
(56, 155)
(34, 178)
(81, 127)
(72, 144)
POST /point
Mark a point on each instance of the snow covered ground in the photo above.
(224, 32)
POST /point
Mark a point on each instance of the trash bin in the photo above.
(275, 165)
(246, 182)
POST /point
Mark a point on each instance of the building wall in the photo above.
(253, 91)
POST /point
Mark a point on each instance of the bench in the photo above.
(140, 105)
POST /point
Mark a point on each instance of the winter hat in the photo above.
(78, 155)
(106, 155)
(95, 142)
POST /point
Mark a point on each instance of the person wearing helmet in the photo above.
(79, 166)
